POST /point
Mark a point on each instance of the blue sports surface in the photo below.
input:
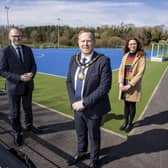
(56, 61)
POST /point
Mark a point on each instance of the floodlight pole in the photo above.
(58, 24)
(7, 15)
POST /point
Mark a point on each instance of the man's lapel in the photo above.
(88, 72)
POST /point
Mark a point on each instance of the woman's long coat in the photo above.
(135, 76)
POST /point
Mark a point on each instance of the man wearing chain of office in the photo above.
(88, 83)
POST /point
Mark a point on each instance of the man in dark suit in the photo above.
(88, 83)
(18, 66)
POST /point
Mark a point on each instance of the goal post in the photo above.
(159, 52)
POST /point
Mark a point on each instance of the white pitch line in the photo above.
(51, 109)
(51, 75)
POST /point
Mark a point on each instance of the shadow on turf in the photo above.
(111, 116)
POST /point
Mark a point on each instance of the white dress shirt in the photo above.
(88, 58)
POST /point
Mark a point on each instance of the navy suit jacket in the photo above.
(11, 68)
(97, 85)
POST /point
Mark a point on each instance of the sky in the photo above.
(88, 13)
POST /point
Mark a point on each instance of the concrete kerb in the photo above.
(70, 117)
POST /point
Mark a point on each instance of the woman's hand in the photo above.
(126, 87)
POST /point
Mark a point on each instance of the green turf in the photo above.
(51, 91)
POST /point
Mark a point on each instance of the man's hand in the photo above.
(30, 74)
(26, 77)
(78, 106)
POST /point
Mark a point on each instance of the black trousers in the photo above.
(129, 111)
(15, 102)
(88, 127)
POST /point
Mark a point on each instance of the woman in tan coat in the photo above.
(130, 75)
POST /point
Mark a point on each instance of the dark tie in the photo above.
(20, 54)
(79, 82)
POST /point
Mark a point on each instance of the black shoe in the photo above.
(128, 128)
(18, 139)
(34, 130)
(76, 158)
(93, 164)
(123, 126)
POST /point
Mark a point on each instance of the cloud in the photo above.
(83, 13)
